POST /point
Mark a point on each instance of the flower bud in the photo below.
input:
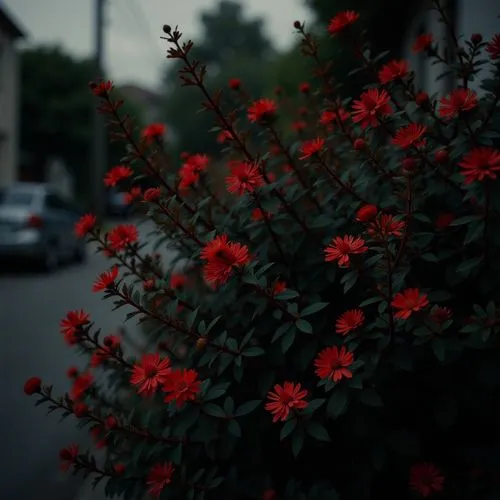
(442, 156)
(201, 343)
(297, 25)
(359, 144)
(167, 29)
(65, 454)
(119, 469)
(111, 422)
(234, 84)
(305, 88)
(72, 372)
(32, 386)
(422, 98)
(80, 409)
(476, 38)
(366, 213)
(444, 220)
(409, 165)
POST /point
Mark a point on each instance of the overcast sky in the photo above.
(134, 52)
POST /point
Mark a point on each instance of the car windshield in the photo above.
(17, 198)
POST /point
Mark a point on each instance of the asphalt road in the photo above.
(31, 306)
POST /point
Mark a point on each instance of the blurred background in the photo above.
(54, 153)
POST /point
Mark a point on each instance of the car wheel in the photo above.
(50, 259)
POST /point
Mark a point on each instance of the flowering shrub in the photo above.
(335, 333)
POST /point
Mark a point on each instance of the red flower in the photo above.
(98, 357)
(393, 70)
(72, 323)
(288, 397)
(408, 302)
(72, 372)
(480, 163)
(332, 363)
(411, 135)
(222, 256)
(349, 321)
(441, 314)
(122, 236)
(341, 248)
(32, 386)
(111, 422)
(160, 476)
(85, 224)
(312, 147)
(152, 194)
(371, 106)
(68, 456)
(493, 47)
(262, 110)
(80, 385)
(305, 88)
(422, 98)
(102, 88)
(459, 101)
(234, 84)
(327, 117)
(278, 287)
(148, 285)
(386, 225)
(359, 144)
(177, 281)
(80, 409)
(96, 432)
(150, 373)
(117, 174)
(366, 213)
(223, 136)
(422, 43)
(132, 195)
(426, 479)
(442, 156)
(244, 178)
(154, 131)
(444, 220)
(182, 385)
(190, 171)
(105, 280)
(342, 21)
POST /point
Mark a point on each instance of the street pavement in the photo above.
(31, 306)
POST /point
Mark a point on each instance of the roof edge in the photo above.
(7, 20)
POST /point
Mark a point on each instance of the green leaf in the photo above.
(287, 294)
(280, 331)
(297, 443)
(304, 326)
(370, 397)
(439, 349)
(288, 428)
(337, 404)
(465, 220)
(313, 308)
(252, 352)
(214, 410)
(317, 431)
(287, 340)
(234, 428)
(468, 266)
(216, 392)
(247, 408)
(313, 406)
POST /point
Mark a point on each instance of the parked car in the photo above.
(117, 203)
(37, 224)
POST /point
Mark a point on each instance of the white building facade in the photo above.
(10, 33)
(469, 17)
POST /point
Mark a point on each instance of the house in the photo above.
(10, 33)
(468, 17)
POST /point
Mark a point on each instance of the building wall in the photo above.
(9, 110)
(471, 16)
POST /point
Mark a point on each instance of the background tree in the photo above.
(233, 47)
(56, 113)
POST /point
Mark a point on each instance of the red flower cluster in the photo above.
(154, 132)
(190, 171)
(410, 136)
(72, 323)
(422, 43)
(459, 101)
(393, 70)
(159, 477)
(102, 88)
(80, 385)
(262, 111)
(426, 479)
(384, 226)
(181, 386)
(85, 224)
(371, 107)
(221, 258)
(105, 280)
(312, 147)
(333, 363)
(480, 163)
(150, 373)
(349, 321)
(408, 302)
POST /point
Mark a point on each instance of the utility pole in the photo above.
(99, 143)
